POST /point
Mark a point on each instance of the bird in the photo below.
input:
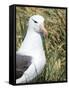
(30, 57)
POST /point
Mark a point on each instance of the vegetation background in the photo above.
(54, 44)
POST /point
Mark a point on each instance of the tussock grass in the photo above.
(54, 44)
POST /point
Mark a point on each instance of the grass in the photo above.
(54, 45)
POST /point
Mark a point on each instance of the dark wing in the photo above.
(22, 64)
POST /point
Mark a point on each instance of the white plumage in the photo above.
(32, 46)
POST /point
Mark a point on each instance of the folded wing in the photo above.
(22, 64)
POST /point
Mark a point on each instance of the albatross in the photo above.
(30, 58)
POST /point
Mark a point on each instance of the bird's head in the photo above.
(36, 22)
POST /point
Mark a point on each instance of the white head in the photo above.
(36, 22)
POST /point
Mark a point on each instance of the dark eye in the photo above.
(35, 21)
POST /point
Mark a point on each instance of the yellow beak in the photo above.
(44, 30)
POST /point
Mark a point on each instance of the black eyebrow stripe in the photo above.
(35, 21)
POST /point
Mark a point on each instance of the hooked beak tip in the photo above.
(44, 31)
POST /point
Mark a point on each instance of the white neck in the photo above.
(31, 43)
